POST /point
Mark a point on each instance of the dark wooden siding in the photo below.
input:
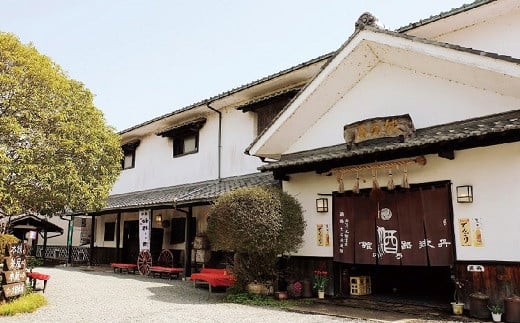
(498, 281)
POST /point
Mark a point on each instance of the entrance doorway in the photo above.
(403, 241)
(156, 242)
(130, 250)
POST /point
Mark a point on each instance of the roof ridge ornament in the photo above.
(368, 19)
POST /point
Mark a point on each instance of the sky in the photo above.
(146, 58)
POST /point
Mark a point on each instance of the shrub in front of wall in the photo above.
(257, 223)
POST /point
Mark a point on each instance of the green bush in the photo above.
(24, 304)
(5, 240)
(257, 223)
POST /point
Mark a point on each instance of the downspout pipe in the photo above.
(219, 137)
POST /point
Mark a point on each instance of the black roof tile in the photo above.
(201, 192)
(476, 132)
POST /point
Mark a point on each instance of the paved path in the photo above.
(78, 295)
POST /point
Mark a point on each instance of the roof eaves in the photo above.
(466, 130)
(446, 45)
(443, 15)
(330, 58)
(230, 92)
(390, 33)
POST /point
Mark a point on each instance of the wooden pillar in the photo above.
(92, 237)
(118, 236)
(188, 243)
(44, 251)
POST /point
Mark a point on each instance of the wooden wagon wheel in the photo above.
(165, 258)
(144, 262)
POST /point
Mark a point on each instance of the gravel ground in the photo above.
(81, 295)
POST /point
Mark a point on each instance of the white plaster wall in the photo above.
(498, 35)
(155, 166)
(493, 172)
(392, 90)
(200, 213)
(239, 130)
(61, 240)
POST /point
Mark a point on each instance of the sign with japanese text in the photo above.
(465, 232)
(11, 290)
(381, 127)
(323, 235)
(16, 249)
(14, 276)
(14, 263)
(145, 229)
(13, 271)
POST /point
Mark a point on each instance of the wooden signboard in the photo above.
(14, 276)
(382, 127)
(15, 289)
(14, 263)
(13, 272)
(16, 249)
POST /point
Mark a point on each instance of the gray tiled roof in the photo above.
(443, 15)
(201, 192)
(233, 91)
(471, 133)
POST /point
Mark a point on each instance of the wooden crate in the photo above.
(360, 285)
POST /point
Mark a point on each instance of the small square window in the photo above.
(129, 160)
(185, 144)
(110, 229)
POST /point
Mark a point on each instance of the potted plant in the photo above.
(458, 306)
(496, 312)
(320, 282)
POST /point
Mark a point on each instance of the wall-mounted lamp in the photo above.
(322, 205)
(465, 194)
(158, 218)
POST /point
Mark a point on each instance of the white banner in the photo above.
(144, 229)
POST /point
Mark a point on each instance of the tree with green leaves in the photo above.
(57, 153)
(258, 224)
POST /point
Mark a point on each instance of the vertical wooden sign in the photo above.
(13, 271)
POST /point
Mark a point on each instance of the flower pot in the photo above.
(457, 308)
(497, 317)
(281, 295)
(321, 294)
(257, 288)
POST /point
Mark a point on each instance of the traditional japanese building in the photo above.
(404, 153)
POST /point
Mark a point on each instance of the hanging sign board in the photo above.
(381, 127)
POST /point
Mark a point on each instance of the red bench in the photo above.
(165, 265)
(35, 276)
(213, 278)
(121, 266)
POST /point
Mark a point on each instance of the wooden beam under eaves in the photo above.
(448, 154)
(281, 176)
